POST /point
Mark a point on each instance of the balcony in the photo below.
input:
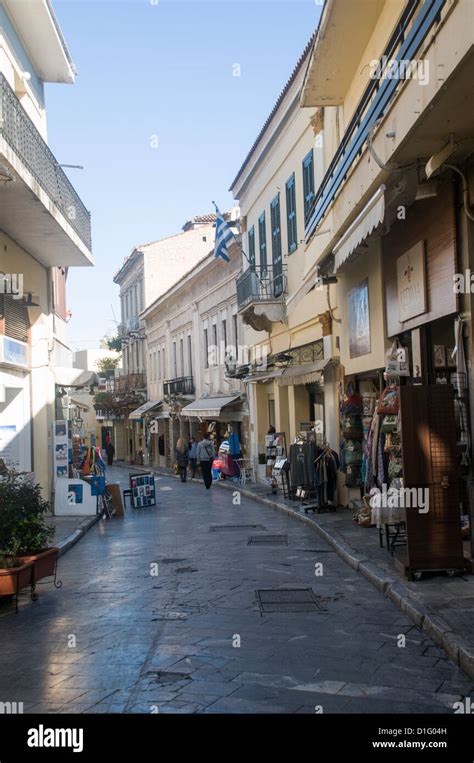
(261, 295)
(57, 230)
(179, 387)
(128, 384)
(414, 27)
(132, 324)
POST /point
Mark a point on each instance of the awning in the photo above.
(306, 373)
(209, 407)
(162, 415)
(264, 376)
(74, 377)
(138, 413)
(371, 216)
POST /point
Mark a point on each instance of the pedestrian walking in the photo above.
(192, 454)
(205, 455)
(182, 457)
(110, 450)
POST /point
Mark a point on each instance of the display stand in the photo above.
(143, 490)
(276, 456)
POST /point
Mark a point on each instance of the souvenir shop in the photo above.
(412, 464)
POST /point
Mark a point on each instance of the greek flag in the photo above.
(223, 236)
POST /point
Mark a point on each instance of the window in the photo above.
(276, 232)
(206, 349)
(291, 214)
(271, 412)
(214, 342)
(181, 355)
(262, 241)
(308, 181)
(163, 370)
(190, 356)
(158, 369)
(175, 362)
(236, 333)
(251, 239)
(224, 334)
(151, 366)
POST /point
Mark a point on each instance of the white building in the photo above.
(44, 230)
(191, 331)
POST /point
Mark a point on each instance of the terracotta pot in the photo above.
(43, 563)
(13, 579)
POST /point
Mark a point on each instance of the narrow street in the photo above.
(192, 639)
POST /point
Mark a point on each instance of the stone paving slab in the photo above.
(197, 642)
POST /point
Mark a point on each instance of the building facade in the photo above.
(44, 231)
(149, 271)
(291, 383)
(193, 334)
(391, 221)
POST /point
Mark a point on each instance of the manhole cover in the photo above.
(186, 569)
(288, 600)
(268, 540)
(171, 560)
(219, 528)
(164, 677)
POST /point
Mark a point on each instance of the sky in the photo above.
(159, 120)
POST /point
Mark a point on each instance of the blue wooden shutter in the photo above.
(262, 240)
(308, 181)
(251, 239)
(291, 214)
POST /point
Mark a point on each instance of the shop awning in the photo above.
(138, 413)
(74, 377)
(209, 407)
(306, 373)
(371, 216)
(263, 376)
(162, 415)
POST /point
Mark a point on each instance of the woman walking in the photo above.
(193, 446)
(182, 457)
(205, 455)
(110, 450)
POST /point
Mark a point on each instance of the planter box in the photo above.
(14, 579)
(44, 563)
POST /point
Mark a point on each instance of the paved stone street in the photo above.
(116, 638)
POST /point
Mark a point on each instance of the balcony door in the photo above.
(277, 281)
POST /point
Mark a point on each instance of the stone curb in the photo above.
(70, 540)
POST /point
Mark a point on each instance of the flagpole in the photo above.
(252, 264)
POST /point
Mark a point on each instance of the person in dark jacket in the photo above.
(110, 450)
(182, 457)
(205, 456)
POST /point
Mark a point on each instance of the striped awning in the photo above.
(306, 373)
(138, 413)
(370, 217)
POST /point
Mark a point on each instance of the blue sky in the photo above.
(161, 73)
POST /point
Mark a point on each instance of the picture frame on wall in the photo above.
(439, 353)
(359, 320)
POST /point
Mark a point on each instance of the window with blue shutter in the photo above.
(276, 231)
(262, 241)
(291, 214)
(251, 239)
(308, 181)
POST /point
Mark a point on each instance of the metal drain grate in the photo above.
(287, 600)
(267, 540)
(219, 528)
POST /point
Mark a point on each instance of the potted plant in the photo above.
(14, 574)
(23, 527)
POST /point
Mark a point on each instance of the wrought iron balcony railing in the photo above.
(24, 139)
(411, 31)
(257, 284)
(182, 385)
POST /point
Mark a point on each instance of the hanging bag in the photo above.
(389, 401)
(396, 360)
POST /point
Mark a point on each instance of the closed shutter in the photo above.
(16, 317)
(291, 214)
(308, 181)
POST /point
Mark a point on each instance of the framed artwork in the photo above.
(439, 351)
(359, 320)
